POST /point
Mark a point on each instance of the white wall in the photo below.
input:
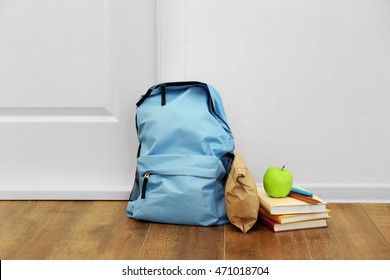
(304, 83)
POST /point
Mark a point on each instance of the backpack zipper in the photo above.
(163, 90)
(163, 93)
(144, 184)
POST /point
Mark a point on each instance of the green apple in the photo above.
(277, 181)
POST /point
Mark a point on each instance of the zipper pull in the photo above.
(163, 93)
(146, 179)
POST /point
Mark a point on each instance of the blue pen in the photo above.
(301, 192)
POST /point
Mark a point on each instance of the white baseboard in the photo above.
(350, 193)
(337, 193)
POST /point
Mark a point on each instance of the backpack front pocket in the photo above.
(180, 189)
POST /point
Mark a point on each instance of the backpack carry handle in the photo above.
(163, 85)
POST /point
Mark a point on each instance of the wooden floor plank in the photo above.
(14, 224)
(9, 208)
(380, 216)
(262, 243)
(101, 230)
(183, 242)
(39, 228)
(44, 227)
(104, 232)
(350, 235)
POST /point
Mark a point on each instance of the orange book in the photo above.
(274, 226)
(293, 218)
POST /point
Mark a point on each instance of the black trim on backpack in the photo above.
(135, 190)
(163, 86)
(175, 84)
(163, 91)
(146, 95)
(215, 113)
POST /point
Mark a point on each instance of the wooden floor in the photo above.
(101, 230)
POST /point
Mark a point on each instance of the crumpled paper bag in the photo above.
(241, 197)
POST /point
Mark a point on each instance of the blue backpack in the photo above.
(184, 156)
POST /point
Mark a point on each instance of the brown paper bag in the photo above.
(242, 200)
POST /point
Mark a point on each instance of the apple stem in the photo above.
(283, 167)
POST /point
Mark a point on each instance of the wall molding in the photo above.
(333, 193)
(56, 115)
(351, 193)
(106, 192)
(41, 109)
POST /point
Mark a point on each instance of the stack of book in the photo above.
(296, 211)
